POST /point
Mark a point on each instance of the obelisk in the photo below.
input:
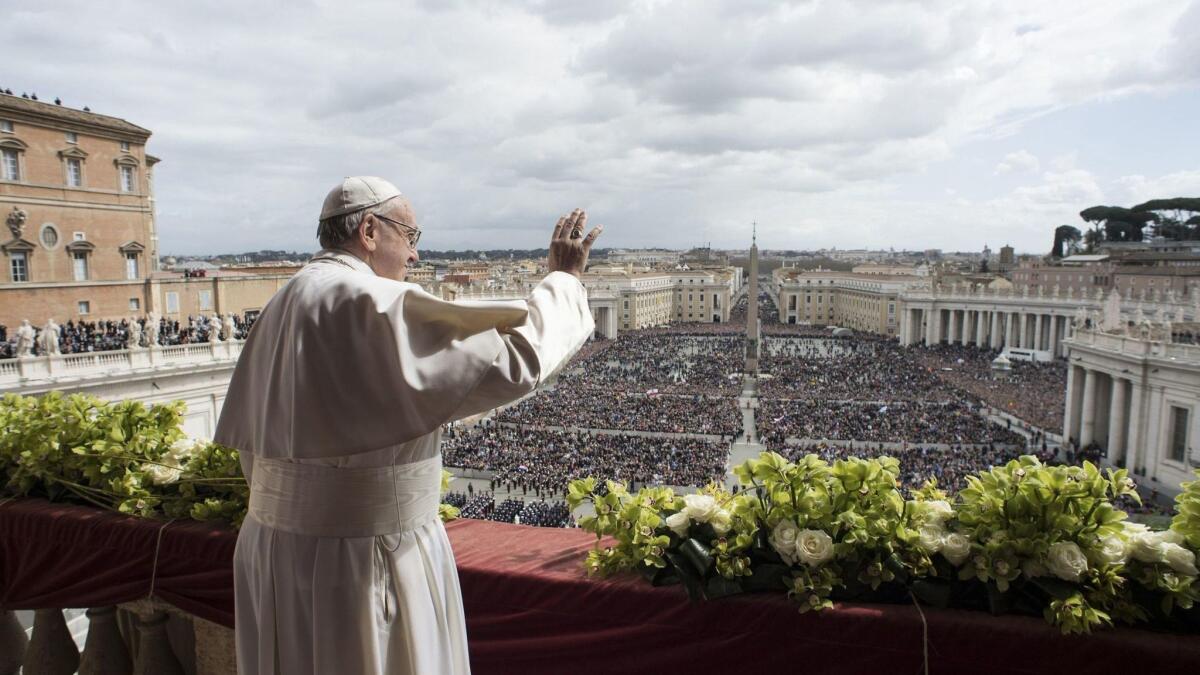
(752, 307)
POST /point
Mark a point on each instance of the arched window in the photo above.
(73, 159)
(127, 173)
(12, 159)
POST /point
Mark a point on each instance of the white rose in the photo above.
(161, 473)
(939, 510)
(1148, 546)
(783, 540)
(700, 508)
(1066, 561)
(813, 547)
(721, 521)
(1113, 550)
(1144, 547)
(931, 538)
(182, 446)
(1179, 558)
(678, 522)
(956, 548)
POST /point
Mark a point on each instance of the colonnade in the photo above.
(990, 328)
(1110, 410)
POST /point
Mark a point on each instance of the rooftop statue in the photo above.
(1112, 313)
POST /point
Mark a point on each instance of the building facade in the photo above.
(866, 302)
(76, 192)
(1138, 398)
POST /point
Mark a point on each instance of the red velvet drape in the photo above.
(530, 609)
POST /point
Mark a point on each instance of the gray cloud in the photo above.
(674, 123)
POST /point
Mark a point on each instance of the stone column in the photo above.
(1054, 335)
(154, 648)
(12, 643)
(51, 649)
(1154, 430)
(951, 335)
(105, 652)
(1069, 428)
(1023, 332)
(994, 337)
(1037, 331)
(966, 328)
(980, 328)
(1010, 332)
(929, 314)
(1136, 440)
(1087, 427)
(1116, 423)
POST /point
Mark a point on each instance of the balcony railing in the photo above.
(1135, 346)
(143, 638)
(25, 371)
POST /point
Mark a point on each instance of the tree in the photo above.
(1068, 236)
(1177, 218)
(1115, 223)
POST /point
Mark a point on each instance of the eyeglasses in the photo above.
(413, 234)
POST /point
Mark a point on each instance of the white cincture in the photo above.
(323, 501)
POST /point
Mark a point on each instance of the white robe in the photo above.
(338, 398)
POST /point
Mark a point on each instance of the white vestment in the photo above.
(337, 402)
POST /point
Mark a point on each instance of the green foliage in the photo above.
(124, 456)
(1187, 516)
(1019, 534)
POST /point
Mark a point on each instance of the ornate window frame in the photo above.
(18, 246)
(65, 156)
(18, 146)
(130, 162)
(86, 248)
(132, 248)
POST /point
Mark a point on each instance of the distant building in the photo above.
(1008, 260)
(644, 256)
(76, 193)
(866, 302)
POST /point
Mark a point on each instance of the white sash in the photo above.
(324, 501)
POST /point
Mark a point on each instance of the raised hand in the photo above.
(569, 249)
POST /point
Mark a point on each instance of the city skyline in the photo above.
(831, 125)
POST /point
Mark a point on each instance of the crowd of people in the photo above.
(1031, 391)
(949, 466)
(899, 421)
(540, 462)
(669, 363)
(77, 337)
(483, 506)
(848, 369)
(586, 408)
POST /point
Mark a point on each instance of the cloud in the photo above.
(1020, 161)
(674, 122)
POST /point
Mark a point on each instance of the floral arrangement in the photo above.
(123, 456)
(1023, 537)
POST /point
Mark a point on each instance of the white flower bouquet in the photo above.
(1023, 537)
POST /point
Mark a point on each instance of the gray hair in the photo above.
(335, 231)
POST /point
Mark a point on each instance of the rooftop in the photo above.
(18, 104)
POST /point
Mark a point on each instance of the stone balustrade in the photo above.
(138, 638)
(20, 373)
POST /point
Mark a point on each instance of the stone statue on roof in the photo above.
(1112, 312)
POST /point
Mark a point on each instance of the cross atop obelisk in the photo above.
(752, 306)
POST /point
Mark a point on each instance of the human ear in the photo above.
(368, 233)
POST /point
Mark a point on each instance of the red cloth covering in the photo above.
(531, 609)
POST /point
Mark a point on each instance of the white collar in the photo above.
(344, 257)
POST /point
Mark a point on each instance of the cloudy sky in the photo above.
(831, 123)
